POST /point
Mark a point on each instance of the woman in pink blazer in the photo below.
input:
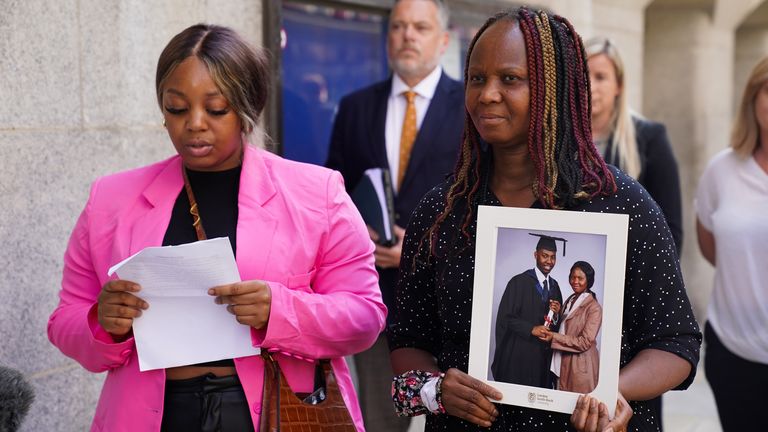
(575, 358)
(309, 287)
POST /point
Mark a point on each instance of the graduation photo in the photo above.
(540, 292)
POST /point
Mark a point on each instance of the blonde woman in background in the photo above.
(638, 146)
(732, 228)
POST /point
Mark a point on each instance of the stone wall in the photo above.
(690, 55)
(77, 85)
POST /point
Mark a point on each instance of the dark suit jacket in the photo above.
(358, 143)
(521, 358)
(658, 172)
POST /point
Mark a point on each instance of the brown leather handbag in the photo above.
(283, 411)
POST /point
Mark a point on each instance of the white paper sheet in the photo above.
(183, 325)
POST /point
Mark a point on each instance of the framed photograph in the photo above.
(547, 305)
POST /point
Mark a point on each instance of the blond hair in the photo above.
(746, 132)
(624, 143)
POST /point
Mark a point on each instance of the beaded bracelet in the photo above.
(406, 392)
(439, 393)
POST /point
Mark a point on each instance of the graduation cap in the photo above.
(548, 242)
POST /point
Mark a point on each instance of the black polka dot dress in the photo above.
(433, 306)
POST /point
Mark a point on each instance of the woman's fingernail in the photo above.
(211, 291)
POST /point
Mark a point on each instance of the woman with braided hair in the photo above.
(527, 143)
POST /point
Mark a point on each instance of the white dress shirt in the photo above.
(541, 278)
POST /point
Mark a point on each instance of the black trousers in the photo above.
(206, 404)
(374, 373)
(738, 384)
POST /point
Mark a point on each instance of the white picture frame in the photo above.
(505, 248)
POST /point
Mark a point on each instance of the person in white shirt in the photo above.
(732, 227)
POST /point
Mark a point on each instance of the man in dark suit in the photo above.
(522, 356)
(411, 124)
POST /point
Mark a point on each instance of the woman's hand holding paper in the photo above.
(118, 306)
(248, 301)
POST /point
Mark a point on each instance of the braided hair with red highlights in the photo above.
(568, 168)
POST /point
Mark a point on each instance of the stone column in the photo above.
(751, 47)
(623, 21)
(77, 85)
(688, 85)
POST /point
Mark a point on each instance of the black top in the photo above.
(658, 172)
(216, 196)
(433, 306)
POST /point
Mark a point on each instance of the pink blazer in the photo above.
(297, 230)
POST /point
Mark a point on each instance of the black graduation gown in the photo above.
(520, 357)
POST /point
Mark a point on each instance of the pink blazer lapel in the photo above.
(148, 229)
(256, 224)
